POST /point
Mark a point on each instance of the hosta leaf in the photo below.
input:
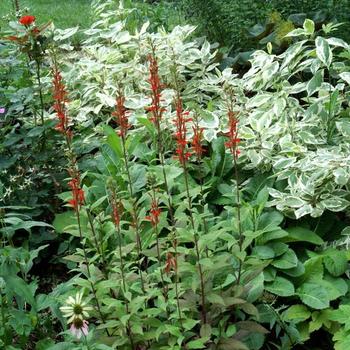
(281, 286)
(313, 295)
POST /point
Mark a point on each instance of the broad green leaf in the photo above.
(263, 252)
(286, 261)
(281, 286)
(336, 262)
(197, 344)
(301, 234)
(297, 313)
(313, 295)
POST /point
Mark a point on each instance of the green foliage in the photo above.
(216, 251)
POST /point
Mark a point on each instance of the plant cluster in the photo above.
(203, 210)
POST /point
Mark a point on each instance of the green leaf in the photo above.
(336, 287)
(296, 313)
(336, 262)
(281, 286)
(315, 82)
(309, 26)
(231, 344)
(341, 315)
(263, 252)
(113, 141)
(205, 331)
(313, 295)
(197, 344)
(323, 51)
(17, 286)
(67, 223)
(286, 261)
(345, 76)
(301, 234)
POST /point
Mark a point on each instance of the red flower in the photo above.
(115, 210)
(156, 87)
(197, 141)
(27, 20)
(60, 97)
(154, 213)
(121, 115)
(77, 193)
(181, 119)
(233, 140)
(170, 263)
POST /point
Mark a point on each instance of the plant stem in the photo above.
(88, 269)
(134, 214)
(171, 213)
(40, 91)
(200, 270)
(240, 232)
(128, 328)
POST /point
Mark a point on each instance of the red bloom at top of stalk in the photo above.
(180, 135)
(233, 140)
(77, 193)
(115, 211)
(121, 115)
(154, 213)
(170, 263)
(27, 20)
(156, 87)
(60, 97)
(197, 141)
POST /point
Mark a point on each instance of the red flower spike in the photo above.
(77, 192)
(197, 141)
(170, 263)
(180, 135)
(156, 88)
(154, 213)
(27, 20)
(121, 116)
(233, 139)
(60, 98)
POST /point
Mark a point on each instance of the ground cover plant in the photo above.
(153, 200)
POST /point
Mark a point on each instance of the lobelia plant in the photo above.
(182, 247)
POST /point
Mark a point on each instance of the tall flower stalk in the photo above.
(156, 111)
(183, 154)
(78, 196)
(153, 217)
(232, 144)
(197, 150)
(121, 115)
(116, 215)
